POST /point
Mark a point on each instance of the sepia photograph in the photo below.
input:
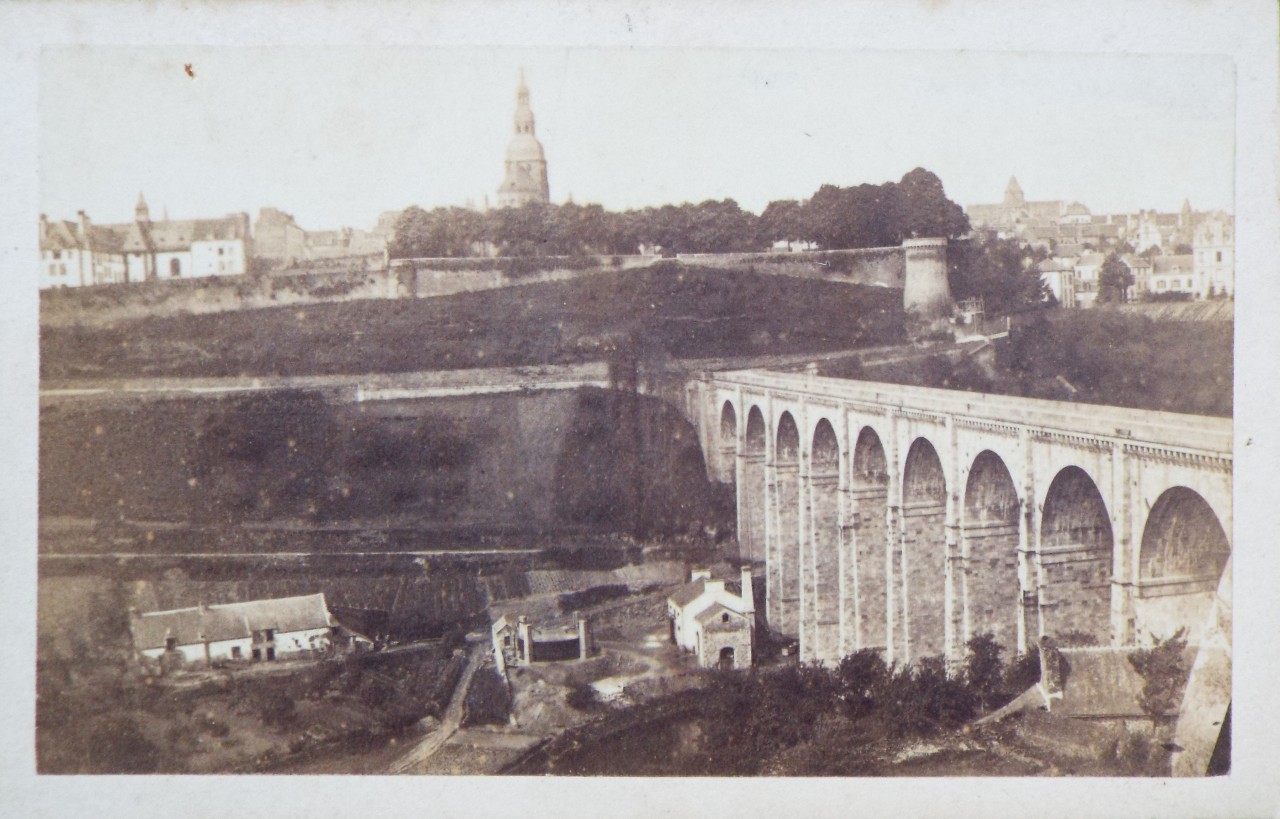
(425, 409)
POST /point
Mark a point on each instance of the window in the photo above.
(1219, 256)
(171, 644)
(57, 254)
(724, 618)
(221, 251)
(235, 652)
(175, 268)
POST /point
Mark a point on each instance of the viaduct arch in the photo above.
(909, 519)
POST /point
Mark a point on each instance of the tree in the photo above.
(1114, 280)
(1000, 272)
(782, 221)
(923, 209)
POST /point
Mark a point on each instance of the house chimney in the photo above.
(584, 636)
(748, 591)
(84, 224)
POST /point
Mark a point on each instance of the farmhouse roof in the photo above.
(1174, 264)
(229, 621)
(687, 593)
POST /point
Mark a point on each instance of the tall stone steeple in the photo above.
(525, 168)
(141, 213)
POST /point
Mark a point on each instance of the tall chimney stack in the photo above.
(84, 224)
(748, 592)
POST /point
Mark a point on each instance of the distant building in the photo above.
(1141, 267)
(1175, 274)
(255, 630)
(1014, 217)
(715, 624)
(525, 168)
(1213, 246)
(279, 239)
(1087, 267)
(142, 250)
(79, 254)
(1059, 276)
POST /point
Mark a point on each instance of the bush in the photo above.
(276, 710)
(488, 700)
(863, 678)
(984, 672)
(582, 697)
(116, 744)
(576, 601)
(1164, 674)
(922, 699)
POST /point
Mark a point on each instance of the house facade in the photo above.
(79, 254)
(258, 630)
(1175, 274)
(1213, 246)
(713, 623)
(82, 254)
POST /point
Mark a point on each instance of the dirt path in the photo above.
(417, 756)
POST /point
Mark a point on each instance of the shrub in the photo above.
(117, 745)
(575, 601)
(488, 700)
(922, 699)
(984, 672)
(863, 677)
(582, 697)
(1164, 674)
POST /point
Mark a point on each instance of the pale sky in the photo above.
(337, 135)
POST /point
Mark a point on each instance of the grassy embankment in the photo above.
(683, 311)
(1091, 356)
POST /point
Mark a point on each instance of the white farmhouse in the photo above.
(715, 624)
(255, 630)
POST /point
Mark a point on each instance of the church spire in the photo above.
(141, 213)
(524, 113)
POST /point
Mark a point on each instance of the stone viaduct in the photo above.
(908, 519)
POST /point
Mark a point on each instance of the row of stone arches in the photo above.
(847, 570)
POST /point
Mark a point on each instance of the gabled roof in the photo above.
(501, 623)
(1087, 259)
(1174, 264)
(687, 593)
(60, 235)
(714, 619)
(229, 621)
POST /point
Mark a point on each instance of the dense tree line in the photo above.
(834, 217)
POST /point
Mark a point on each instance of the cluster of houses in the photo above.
(81, 254)
(1189, 253)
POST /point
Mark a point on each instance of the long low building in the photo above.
(254, 630)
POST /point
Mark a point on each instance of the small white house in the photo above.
(255, 630)
(715, 624)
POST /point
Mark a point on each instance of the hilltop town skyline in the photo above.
(430, 136)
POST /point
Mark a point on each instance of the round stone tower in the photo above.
(926, 294)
